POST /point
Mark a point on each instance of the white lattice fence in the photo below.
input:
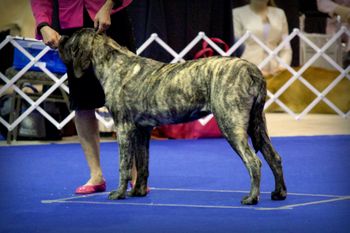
(179, 57)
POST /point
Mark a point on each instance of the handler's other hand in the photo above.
(50, 37)
(102, 19)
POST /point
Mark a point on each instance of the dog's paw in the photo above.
(248, 200)
(278, 195)
(116, 195)
(137, 193)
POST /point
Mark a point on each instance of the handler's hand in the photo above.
(102, 19)
(50, 36)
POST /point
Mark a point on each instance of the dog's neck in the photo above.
(114, 58)
(118, 64)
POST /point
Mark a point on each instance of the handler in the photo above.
(63, 17)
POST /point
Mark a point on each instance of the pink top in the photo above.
(70, 11)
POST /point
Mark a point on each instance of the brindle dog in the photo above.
(142, 93)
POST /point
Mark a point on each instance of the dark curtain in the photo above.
(315, 21)
(238, 3)
(291, 9)
(178, 22)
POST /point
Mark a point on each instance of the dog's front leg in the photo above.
(141, 159)
(126, 141)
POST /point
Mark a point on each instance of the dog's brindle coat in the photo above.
(142, 93)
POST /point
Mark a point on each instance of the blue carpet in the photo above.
(198, 185)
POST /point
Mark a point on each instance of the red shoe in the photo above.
(88, 189)
(148, 189)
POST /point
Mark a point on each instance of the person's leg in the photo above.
(88, 132)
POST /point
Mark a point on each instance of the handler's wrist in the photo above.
(41, 26)
(110, 4)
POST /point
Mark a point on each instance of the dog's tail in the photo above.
(257, 129)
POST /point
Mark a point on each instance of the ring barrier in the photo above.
(179, 57)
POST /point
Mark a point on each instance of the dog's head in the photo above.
(76, 50)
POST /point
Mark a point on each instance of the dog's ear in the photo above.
(81, 54)
(81, 61)
(76, 50)
(63, 50)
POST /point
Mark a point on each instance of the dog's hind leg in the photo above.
(127, 140)
(261, 141)
(142, 160)
(239, 142)
(275, 163)
(274, 160)
(235, 131)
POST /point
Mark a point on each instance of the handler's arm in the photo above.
(102, 19)
(42, 11)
